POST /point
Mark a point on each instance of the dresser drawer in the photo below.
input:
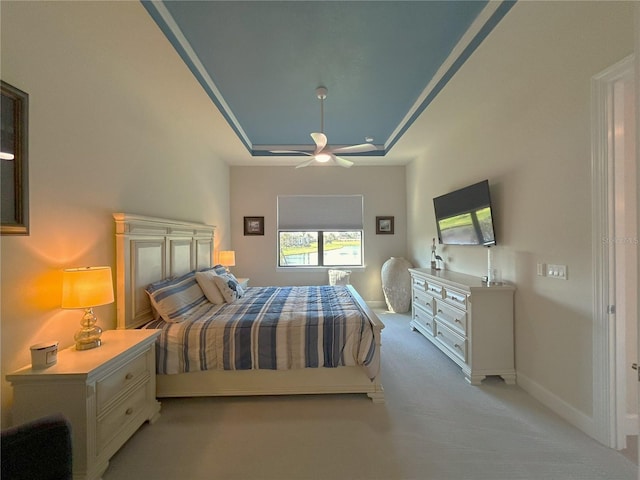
(455, 297)
(425, 301)
(118, 381)
(452, 341)
(434, 289)
(120, 415)
(424, 319)
(454, 318)
(419, 284)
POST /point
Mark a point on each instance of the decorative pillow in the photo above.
(153, 287)
(177, 299)
(229, 287)
(207, 283)
(219, 269)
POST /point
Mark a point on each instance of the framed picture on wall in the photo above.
(14, 162)
(254, 225)
(384, 225)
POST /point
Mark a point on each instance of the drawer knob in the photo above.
(458, 321)
(128, 376)
(129, 411)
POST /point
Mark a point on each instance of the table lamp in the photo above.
(87, 288)
(227, 258)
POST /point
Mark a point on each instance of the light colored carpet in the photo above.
(433, 426)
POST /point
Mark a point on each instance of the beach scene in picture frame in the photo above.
(384, 225)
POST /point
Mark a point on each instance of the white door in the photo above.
(615, 242)
(623, 244)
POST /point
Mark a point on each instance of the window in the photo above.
(322, 231)
(321, 248)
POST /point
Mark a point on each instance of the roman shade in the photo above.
(320, 212)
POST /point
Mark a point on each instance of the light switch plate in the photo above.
(557, 271)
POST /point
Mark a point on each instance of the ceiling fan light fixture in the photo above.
(322, 153)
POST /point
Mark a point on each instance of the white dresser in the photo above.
(106, 393)
(472, 323)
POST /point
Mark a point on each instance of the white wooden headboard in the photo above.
(149, 249)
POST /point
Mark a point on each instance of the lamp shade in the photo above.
(86, 287)
(227, 258)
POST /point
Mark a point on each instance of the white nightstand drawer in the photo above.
(120, 380)
(121, 414)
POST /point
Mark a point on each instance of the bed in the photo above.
(150, 250)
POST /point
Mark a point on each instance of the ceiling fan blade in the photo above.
(343, 162)
(306, 163)
(321, 141)
(297, 152)
(363, 147)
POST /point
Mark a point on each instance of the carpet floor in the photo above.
(433, 426)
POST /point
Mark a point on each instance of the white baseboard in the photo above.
(568, 412)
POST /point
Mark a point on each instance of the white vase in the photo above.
(396, 284)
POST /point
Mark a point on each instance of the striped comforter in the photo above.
(275, 328)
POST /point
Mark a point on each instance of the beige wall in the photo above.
(518, 113)
(117, 123)
(254, 191)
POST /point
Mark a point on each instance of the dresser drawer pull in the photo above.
(457, 346)
(457, 321)
(128, 376)
(129, 411)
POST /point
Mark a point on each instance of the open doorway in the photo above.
(615, 256)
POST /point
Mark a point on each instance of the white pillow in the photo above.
(229, 287)
(207, 283)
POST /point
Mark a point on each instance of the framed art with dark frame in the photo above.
(384, 225)
(14, 117)
(254, 225)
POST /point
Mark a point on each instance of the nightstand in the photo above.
(244, 282)
(106, 393)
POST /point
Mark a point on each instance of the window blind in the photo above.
(320, 212)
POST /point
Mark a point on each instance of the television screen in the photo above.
(464, 217)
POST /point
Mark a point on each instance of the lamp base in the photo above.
(88, 345)
(88, 336)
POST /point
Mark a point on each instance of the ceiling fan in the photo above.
(323, 154)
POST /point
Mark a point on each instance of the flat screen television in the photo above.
(464, 217)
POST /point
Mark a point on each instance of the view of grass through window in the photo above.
(321, 248)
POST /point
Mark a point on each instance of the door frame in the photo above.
(607, 418)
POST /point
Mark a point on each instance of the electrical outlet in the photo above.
(541, 269)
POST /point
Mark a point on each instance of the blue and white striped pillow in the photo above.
(177, 299)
